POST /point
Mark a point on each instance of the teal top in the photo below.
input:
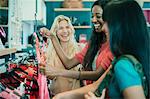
(124, 76)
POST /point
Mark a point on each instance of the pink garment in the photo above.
(147, 15)
(9, 94)
(104, 58)
(42, 80)
(37, 48)
(43, 89)
(2, 32)
(39, 51)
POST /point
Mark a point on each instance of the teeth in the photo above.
(64, 35)
(96, 25)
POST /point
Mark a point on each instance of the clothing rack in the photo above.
(18, 75)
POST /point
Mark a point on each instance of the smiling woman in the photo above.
(64, 31)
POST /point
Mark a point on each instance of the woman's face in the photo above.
(97, 17)
(64, 31)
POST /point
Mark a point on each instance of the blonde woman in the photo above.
(64, 31)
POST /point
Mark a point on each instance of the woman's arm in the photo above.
(128, 80)
(79, 93)
(82, 75)
(134, 92)
(68, 62)
(91, 95)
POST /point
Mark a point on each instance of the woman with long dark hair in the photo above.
(129, 42)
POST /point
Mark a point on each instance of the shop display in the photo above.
(3, 35)
(4, 21)
(3, 3)
(21, 76)
(72, 4)
(147, 15)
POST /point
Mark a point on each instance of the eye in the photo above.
(60, 28)
(67, 27)
(99, 16)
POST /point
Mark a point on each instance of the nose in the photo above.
(64, 30)
(94, 19)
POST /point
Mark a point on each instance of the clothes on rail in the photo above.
(20, 77)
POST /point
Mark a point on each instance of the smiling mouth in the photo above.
(65, 35)
(97, 26)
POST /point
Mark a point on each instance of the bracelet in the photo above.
(79, 75)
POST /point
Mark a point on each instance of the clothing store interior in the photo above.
(74, 49)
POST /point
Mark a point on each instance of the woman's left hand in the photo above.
(91, 95)
(45, 32)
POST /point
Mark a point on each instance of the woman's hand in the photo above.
(49, 71)
(90, 95)
(45, 32)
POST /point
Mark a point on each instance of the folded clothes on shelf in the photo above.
(147, 15)
(3, 3)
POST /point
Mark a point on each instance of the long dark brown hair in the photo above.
(95, 42)
(128, 32)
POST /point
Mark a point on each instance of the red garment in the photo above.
(104, 58)
(147, 15)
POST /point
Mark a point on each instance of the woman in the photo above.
(96, 57)
(129, 39)
(64, 32)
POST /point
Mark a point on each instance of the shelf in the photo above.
(146, 8)
(3, 25)
(82, 27)
(7, 51)
(63, 0)
(3, 8)
(72, 9)
(146, 0)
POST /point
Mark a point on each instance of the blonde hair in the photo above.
(52, 57)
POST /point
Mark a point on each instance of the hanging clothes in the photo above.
(42, 80)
